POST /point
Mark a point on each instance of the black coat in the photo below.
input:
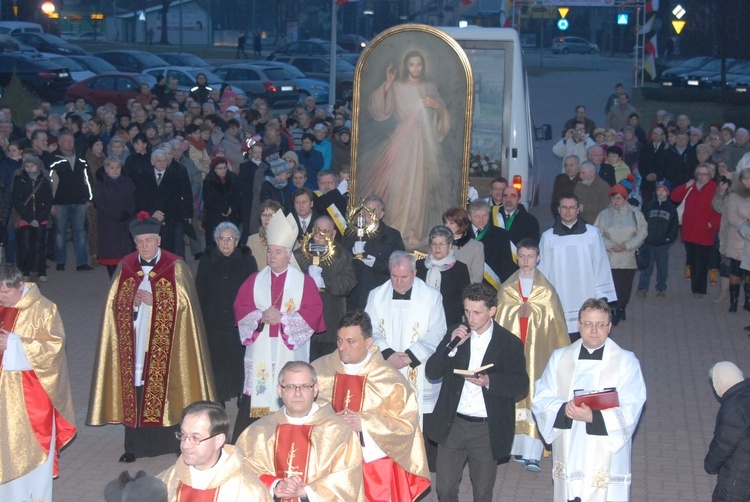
(524, 225)
(281, 195)
(452, 284)
(173, 196)
(218, 280)
(219, 199)
(679, 167)
(40, 204)
(115, 206)
(508, 383)
(385, 241)
(729, 452)
(497, 253)
(651, 161)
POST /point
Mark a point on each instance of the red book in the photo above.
(597, 399)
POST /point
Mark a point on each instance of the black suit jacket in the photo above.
(497, 253)
(310, 223)
(508, 383)
(173, 196)
(607, 173)
(524, 225)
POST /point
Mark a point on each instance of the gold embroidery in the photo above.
(163, 318)
(348, 398)
(291, 470)
(124, 320)
(413, 373)
(259, 412)
(600, 479)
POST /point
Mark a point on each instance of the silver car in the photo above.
(575, 45)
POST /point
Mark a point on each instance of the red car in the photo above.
(116, 88)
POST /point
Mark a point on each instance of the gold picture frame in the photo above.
(411, 132)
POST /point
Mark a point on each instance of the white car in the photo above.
(186, 75)
(85, 36)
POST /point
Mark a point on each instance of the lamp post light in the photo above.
(48, 8)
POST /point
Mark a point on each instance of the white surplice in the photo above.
(578, 267)
(595, 468)
(417, 325)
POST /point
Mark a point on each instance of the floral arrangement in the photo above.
(481, 165)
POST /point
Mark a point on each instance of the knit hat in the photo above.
(144, 223)
(628, 183)
(665, 185)
(290, 155)
(320, 127)
(278, 165)
(269, 150)
(598, 131)
(618, 189)
(725, 375)
(282, 230)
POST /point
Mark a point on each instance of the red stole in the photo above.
(523, 322)
(348, 392)
(277, 296)
(158, 356)
(186, 493)
(291, 454)
(39, 407)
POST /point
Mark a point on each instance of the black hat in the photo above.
(144, 223)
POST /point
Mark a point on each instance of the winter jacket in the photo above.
(729, 452)
(663, 225)
(699, 221)
(625, 225)
(737, 211)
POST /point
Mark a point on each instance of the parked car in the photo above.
(44, 42)
(692, 78)
(132, 61)
(185, 59)
(320, 67)
(186, 75)
(37, 73)
(274, 85)
(116, 88)
(737, 78)
(85, 36)
(78, 72)
(13, 27)
(313, 46)
(576, 45)
(686, 66)
(307, 86)
(352, 43)
(94, 64)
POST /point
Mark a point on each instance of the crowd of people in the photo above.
(357, 368)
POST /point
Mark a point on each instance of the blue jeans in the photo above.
(75, 216)
(659, 257)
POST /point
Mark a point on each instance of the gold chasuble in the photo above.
(233, 481)
(387, 408)
(323, 452)
(31, 400)
(177, 369)
(546, 332)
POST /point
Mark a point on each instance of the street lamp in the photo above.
(48, 8)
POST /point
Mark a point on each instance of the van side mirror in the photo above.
(543, 132)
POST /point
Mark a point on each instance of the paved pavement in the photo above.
(676, 338)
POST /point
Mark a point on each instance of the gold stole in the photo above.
(292, 452)
(8, 316)
(348, 392)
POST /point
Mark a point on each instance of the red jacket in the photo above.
(699, 222)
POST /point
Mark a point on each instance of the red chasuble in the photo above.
(150, 411)
(187, 493)
(292, 453)
(348, 392)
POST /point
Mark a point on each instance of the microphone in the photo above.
(453, 343)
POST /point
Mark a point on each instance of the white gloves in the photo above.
(472, 193)
(316, 272)
(343, 187)
(369, 260)
(359, 247)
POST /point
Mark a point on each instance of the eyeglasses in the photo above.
(295, 388)
(226, 239)
(181, 436)
(597, 325)
(436, 244)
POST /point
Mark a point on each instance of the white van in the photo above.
(502, 127)
(15, 27)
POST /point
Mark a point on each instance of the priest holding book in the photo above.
(590, 443)
(474, 417)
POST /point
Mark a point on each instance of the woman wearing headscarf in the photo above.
(444, 272)
(729, 452)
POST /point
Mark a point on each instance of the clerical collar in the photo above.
(302, 420)
(152, 262)
(594, 355)
(204, 477)
(353, 368)
(276, 274)
(404, 296)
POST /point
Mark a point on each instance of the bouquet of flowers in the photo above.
(481, 165)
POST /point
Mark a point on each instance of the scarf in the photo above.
(277, 183)
(197, 143)
(435, 267)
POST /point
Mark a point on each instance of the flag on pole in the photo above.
(646, 28)
(652, 6)
(652, 53)
(506, 14)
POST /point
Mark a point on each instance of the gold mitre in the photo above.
(282, 231)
